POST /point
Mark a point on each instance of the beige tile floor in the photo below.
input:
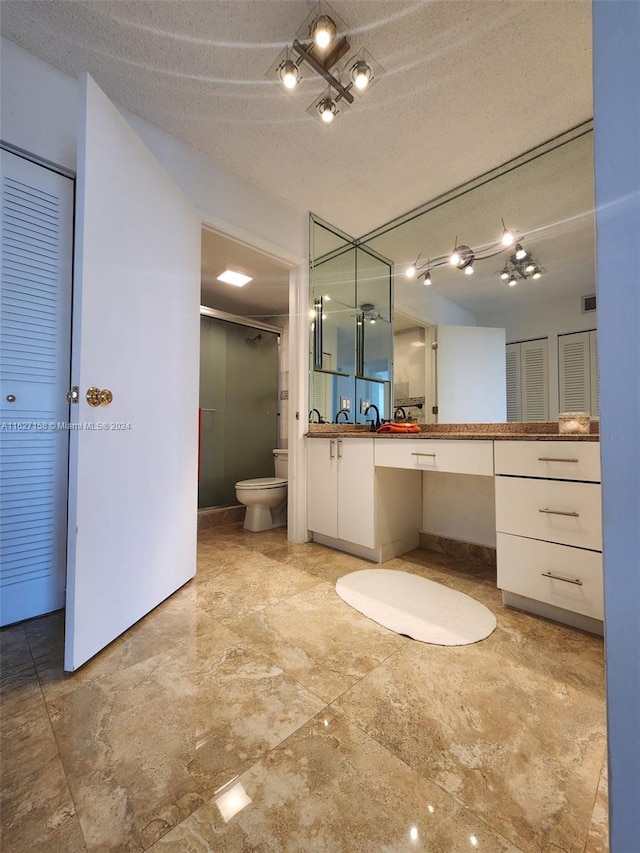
(256, 686)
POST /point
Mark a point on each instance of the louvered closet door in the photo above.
(575, 372)
(37, 222)
(514, 395)
(535, 380)
(595, 374)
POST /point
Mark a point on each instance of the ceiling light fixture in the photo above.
(519, 266)
(289, 74)
(323, 31)
(320, 44)
(237, 279)
(361, 74)
(327, 110)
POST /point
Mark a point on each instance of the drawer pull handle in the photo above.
(555, 459)
(331, 446)
(560, 512)
(576, 581)
(424, 454)
(339, 448)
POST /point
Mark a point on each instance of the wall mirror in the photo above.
(549, 323)
(350, 328)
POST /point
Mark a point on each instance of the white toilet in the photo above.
(266, 497)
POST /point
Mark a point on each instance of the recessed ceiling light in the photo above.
(238, 279)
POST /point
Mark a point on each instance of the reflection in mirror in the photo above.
(351, 334)
(549, 322)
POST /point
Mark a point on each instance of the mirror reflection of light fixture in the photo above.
(508, 237)
(521, 265)
(320, 44)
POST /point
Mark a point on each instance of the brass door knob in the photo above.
(96, 397)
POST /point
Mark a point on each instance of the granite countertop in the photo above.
(547, 431)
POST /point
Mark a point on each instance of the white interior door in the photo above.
(35, 296)
(472, 380)
(133, 462)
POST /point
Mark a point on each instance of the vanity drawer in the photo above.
(525, 566)
(453, 455)
(556, 460)
(553, 510)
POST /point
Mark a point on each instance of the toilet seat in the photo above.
(261, 483)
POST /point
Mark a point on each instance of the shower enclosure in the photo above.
(238, 407)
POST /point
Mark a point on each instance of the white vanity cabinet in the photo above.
(549, 529)
(340, 489)
(372, 512)
(445, 455)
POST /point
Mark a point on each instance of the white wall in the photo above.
(616, 30)
(549, 319)
(39, 115)
(459, 506)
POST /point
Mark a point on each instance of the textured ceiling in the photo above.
(468, 85)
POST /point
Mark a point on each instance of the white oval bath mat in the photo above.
(417, 607)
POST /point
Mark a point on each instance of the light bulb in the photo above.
(530, 267)
(504, 275)
(361, 75)
(289, 74)
(455, 258)
(536, 273)
(327, 110)
(373, 321)
(427, 278)
(322, 31)
(513, 281)
(507, 237)
(468, 270)
(411, 271)
(520, 252)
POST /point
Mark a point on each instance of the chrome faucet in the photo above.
(375, 425)
(320, 418)
(344, 412)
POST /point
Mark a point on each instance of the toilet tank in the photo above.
(281, 459)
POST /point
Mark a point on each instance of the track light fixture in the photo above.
(319, 45)
(519, 266)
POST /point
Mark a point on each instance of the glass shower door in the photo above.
(238, 407)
